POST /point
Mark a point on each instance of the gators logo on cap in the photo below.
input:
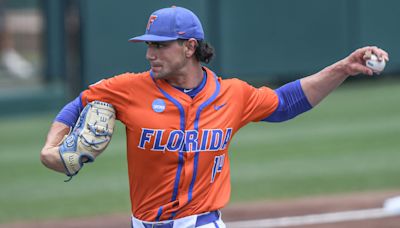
(152, 18)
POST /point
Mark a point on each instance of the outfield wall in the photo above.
(257, 39)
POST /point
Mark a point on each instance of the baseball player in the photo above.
(180, 118)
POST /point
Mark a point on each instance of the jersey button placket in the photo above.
(191, 116)
(187, 171)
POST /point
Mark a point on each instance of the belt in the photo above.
(200, 221)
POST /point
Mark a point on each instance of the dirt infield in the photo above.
(258, 210)
(317, 205)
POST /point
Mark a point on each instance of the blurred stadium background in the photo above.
(348, 144)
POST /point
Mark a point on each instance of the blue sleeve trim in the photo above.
(70, 113)
(292, 102)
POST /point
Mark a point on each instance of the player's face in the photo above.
(166, 58)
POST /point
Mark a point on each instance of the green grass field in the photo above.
(349, 143)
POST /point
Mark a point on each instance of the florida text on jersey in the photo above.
(177, 147)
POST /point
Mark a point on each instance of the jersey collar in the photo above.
(208, 90)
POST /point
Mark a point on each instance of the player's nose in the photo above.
(150, 54)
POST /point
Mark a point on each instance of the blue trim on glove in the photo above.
(70, 143)
(292, 102)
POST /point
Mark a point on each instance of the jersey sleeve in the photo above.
(112, 90)
(258, 103)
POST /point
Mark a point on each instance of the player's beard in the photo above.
(158, 72)
(167, 72)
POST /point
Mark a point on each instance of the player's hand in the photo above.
(355, 63)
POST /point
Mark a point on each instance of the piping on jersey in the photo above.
(182, 126)
(180, 159)
(196, 127)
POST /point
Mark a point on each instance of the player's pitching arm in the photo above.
(302, 95)
(317, 86)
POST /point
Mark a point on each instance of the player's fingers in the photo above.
(385, 55)
(367, 54)
(380, 53)
(364, 53)
(386, 58)
(361, 69)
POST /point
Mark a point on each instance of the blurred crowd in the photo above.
(12, 62)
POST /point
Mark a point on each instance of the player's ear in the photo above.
(190, 47)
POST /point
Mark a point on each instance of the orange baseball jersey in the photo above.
(177, 147)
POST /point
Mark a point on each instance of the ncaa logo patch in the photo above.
(158, 105)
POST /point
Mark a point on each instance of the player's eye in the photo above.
(159, 45)
(156, 44)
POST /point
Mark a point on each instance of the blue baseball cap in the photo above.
(171, 24)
